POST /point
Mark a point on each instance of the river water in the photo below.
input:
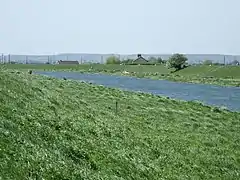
(228, 97)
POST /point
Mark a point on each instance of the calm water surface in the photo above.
(209, 94)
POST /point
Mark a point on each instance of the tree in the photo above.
(207, 62)
(164, 61)
(160, 60)
(176, 61)
(113, 60)
(152, 59)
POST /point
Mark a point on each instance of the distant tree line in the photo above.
(129, 61)
(209, 62)
(177, 61)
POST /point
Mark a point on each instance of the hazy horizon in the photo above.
(119, 27)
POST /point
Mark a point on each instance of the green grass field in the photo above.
(218, 75)
(91, 67)
(62, 129)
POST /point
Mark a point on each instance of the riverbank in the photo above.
(218, 75)
(62, 129)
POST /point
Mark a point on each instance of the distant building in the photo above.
(235, 63)
(140, 60)
(68, 62)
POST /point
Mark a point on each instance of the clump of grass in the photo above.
(56, 129)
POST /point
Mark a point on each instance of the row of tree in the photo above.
(151, 60)
(209, 62)
(177, 61)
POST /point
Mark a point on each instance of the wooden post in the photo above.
(116, 108)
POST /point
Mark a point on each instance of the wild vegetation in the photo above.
(177, 61)
(61, 129)
(113, 60)
(215, 74)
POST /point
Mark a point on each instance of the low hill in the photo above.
(62, 129)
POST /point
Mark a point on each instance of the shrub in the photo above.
(207, 62)
(113, 60)
(176, 61)
(160, 60)
(218, 64)
(164, 61)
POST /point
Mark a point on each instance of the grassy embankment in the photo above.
(56, 129)
(218, 75)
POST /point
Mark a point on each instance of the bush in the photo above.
(113, 60)
(176, 61)
(218, 64)
(207, 62)
(164, 61)
(160, 60)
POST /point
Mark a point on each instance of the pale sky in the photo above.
(119, 26)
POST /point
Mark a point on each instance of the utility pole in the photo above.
(53, 59)
(224, 59)
(102, 59)
(9, 58)
(2, 58)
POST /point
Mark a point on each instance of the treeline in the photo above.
(149, 61)
(176, 61)
(158, 60)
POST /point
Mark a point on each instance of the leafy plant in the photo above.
(113, 60)
(207, 62)
(176, 61)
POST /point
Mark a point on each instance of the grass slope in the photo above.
(56, 129)
(215, 70)
(111, 68)
(219, 75)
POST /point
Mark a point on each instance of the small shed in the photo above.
(68, 62)
(140, 60)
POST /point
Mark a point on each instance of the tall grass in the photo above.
(62, 129)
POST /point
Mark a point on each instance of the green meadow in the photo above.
(215, 74)
(62, 129)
